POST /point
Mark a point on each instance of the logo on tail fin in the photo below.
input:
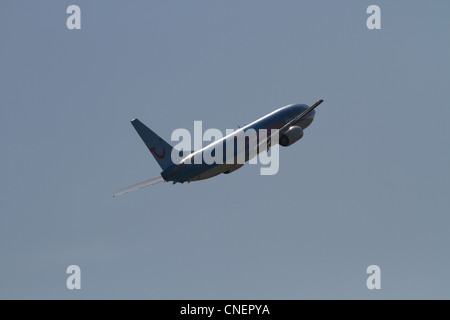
(160, 156)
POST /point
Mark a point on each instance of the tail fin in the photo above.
(160, 149)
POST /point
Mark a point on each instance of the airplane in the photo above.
(288, 122)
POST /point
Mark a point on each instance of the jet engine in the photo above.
(294, 134)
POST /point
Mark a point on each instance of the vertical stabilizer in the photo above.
(159, 148)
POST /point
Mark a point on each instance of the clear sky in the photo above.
(369, 183)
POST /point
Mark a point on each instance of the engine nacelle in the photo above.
(294, 134)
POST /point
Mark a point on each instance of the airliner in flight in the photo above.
(286, 124)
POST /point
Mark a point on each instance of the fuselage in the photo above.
(194, 171)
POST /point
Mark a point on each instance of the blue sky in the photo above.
(368, 183)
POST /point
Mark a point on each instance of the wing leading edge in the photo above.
(300, 116)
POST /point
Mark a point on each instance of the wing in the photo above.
(299, 117)
(139, 185)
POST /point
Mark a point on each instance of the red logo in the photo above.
(160, 156)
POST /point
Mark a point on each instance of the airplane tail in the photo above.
(160, 149)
